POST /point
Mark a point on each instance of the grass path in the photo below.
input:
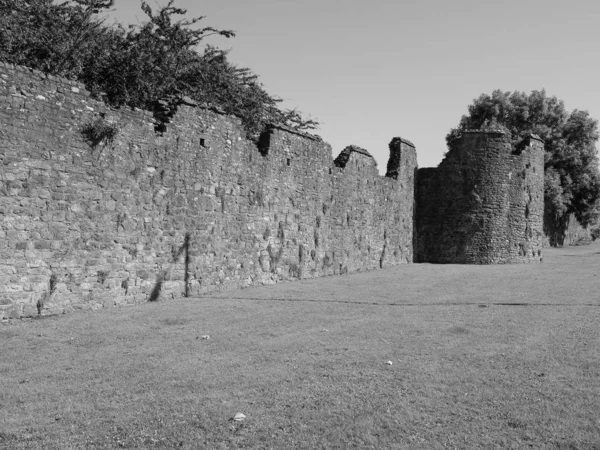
(483, 357)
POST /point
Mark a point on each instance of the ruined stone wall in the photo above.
(484, 203)
(195, 209)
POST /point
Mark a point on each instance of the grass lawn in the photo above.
(482, 357)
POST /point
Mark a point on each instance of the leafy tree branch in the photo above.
(138, 65)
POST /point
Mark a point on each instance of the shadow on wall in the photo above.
(415, 242)
(184, 249)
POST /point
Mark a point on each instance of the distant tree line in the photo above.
(139, 64)
(572, 179)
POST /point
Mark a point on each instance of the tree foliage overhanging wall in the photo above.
(139, 65)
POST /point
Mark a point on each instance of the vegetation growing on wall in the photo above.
(100, 130)
(138, 65)
(572, 178)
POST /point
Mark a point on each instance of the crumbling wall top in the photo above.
(402, 141)
(345, 154)
(484, 131)
(279, 126)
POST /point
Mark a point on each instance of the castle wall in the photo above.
(484, 203)
(197, 209)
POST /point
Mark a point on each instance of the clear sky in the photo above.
(372, 70)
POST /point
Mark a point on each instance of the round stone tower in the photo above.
(484, 204)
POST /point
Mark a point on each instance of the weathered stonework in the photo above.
(192, 209)
(102, 207)
(484, 204)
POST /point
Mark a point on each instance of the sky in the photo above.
(372, 70)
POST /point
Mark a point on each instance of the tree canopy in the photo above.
(140, 64)
(572, 179)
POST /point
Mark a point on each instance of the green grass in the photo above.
(483, 357)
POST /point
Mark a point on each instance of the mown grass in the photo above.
(483, 357)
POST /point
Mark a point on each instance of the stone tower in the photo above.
(484, 203)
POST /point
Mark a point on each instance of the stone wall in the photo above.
(484, 203)
(102, 207)
(98, 209)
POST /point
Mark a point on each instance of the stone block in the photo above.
(30, 311)
(143, 274)
(108, 303)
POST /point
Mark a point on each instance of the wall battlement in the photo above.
(196, 208)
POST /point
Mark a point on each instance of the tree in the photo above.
(572, 178)
(51, 37)
(140, 65)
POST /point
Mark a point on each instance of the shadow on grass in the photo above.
(481, 305)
